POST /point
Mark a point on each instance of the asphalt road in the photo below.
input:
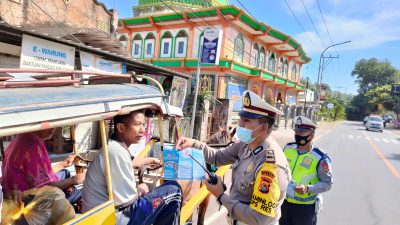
(366, 164)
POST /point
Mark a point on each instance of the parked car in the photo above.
(374, 123)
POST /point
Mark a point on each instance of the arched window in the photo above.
(280, 66)
(285, 68)
(294, 72)
(123, 39)
(238, 48)
(181, 40)
(254, 55)
(149, 45)
(166, 45)
(272, 63)
(137, 46)
(262, 58)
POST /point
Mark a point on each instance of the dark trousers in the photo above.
(73, 194)
(162, 206)
(298, 214)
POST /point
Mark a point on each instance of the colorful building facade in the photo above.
(253, 56)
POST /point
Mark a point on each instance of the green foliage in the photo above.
(372, 73)
(374, 78)
(384, 99)
(338, 111)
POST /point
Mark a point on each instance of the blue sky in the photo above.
(371, 25)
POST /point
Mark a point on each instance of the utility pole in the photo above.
(196, 90)
(322, 66)
(305, 97)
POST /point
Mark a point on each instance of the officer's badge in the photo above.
(246, 100)
(250, 167)
(306, 162)
(264, 185)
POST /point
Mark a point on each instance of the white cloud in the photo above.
(365, 24)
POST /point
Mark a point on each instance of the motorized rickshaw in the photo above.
(27, 106)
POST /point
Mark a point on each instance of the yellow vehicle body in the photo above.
(102, 214)
(69, 106)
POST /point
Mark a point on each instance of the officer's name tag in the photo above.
(266, 190)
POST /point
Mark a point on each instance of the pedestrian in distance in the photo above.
(260, 174)
(311, 175)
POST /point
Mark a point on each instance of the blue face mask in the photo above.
(244, 135)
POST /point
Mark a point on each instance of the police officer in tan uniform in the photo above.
(260, 175)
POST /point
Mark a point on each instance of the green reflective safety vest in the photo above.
(304, 171)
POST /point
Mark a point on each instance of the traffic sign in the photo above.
(330, 105)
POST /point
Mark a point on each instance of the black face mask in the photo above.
(301, 140)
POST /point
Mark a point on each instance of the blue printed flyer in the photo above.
(178, 165)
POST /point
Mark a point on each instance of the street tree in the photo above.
(372, 73)
(382, 96)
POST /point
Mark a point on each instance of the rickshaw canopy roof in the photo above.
(27, 106)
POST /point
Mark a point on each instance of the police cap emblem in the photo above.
(299, 121)
(246, 100)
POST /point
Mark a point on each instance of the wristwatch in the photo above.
(219, 199)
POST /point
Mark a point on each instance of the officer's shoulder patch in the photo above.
(319, 151)
(290, 145)
(322, 154)
(266, 190)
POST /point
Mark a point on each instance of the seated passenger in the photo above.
(136, 204)
(27, 165)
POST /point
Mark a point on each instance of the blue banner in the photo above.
(234, 93)
(211, 46)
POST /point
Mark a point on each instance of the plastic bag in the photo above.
(48, 206)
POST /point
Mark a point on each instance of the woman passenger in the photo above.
(27, 165)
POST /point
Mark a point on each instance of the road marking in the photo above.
(385, 140)
(350, 136)
(368, 138)
(358, 136)
(215, 216)
(379, 153)
(323, 134)
(377, 139)
(395, 142)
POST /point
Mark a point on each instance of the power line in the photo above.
(298, 22)
(56, 22)
(312, 22)
(244, 51)
(326, 27)
(245, 8)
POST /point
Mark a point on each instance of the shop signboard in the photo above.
(178, 92)
(211, 46)
(330, 105)
(37, 53)
(222, 116)
(291, 100)
(94, 63)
